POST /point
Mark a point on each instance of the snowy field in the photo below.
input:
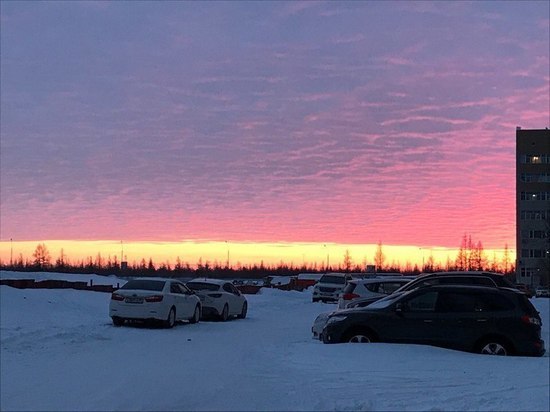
(59, 351)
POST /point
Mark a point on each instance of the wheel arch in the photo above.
(359, 329)
(497, 338)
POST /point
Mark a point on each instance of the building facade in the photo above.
(533, 206)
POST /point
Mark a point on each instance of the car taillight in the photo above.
(530, 320)
(154, 298)
(350, 296)
(116, 296)
(215, 295)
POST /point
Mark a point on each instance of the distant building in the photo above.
(532, 206)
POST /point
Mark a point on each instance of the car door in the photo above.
(414, 319)
(239, 299)
(231, 297)
(190, 300)
(457, 319)
(176, 295)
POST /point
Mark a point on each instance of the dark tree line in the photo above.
(471, 256)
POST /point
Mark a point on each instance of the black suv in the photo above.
(473, 278)
(488, 320)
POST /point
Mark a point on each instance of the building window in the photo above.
(534, 196)
(535, 159)
(532, 253)
(535, 177)
(534, 214)
(527, 272)
(537, 234)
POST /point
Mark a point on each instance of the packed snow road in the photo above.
(60, 351)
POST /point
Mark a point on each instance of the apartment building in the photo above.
(533, 206)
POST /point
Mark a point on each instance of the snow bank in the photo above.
(59, 351)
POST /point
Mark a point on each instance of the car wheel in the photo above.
(494, 347)
(196, 315)
(225, 313)
(171, 321)
(359, 336)
(118, 321)
(314, 300)
(243, 311)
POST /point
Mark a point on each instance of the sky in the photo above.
(265, 122)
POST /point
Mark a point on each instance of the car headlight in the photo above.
(336, 318)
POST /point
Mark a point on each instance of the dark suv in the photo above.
(488, 320)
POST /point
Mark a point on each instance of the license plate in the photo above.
(133, 300)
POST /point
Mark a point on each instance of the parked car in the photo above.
(486, 320)
(370, 288)
(219, 298)
(154, 299)
(329, 287)
(488, 279)
(542, 293)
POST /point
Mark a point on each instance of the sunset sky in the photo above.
(255, 123)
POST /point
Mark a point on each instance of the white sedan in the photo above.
(219, 298)
(167, 300)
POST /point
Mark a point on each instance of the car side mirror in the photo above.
(399, 307)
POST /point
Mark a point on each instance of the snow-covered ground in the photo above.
(59, 351)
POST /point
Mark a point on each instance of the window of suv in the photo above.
(491, 302)
(425, 302)
(332, 279)
(455, 302)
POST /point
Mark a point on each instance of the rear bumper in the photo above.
(209, 311)
(138, 311)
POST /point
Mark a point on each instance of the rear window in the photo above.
(332, 279)
(202, 286)
(154, 285)
(389, 287)
(526, 305)
(350, 287)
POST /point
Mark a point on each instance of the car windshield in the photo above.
(202, 286)
(387, 301)
(141, 284)
(332, 279)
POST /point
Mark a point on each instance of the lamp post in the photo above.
(227, 245)
(328, 258)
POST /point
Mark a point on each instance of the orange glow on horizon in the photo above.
(238, 253)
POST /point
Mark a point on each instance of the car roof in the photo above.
(209, 280)
(471, 288)
(463, 273)
(388, 279)
(154, 278)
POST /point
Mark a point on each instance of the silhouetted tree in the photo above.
(41, 256)
(347, 261)
(379, 257)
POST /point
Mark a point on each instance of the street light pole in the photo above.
(227, 245)
(11, 251)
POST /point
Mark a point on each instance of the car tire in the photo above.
(171, 320)
(359, 336)
(225, 313)
(243, 311)
(314, 300)
(117, 321)
(196, 315)
(494, 346)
